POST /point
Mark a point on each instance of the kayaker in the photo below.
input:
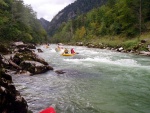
(59, 47)
(66, 51)
(72, 51)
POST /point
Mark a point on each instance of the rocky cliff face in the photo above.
(44, 23)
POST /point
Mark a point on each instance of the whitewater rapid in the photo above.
(96, 81)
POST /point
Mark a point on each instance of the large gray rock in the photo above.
(35, 67)
(23, 45)
(79, 43)
(19, 57)
(3, 62)
(10, 99)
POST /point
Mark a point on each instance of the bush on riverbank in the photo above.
(137, 43)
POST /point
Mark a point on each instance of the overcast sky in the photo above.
(48, 8)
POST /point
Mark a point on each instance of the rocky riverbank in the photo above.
(136, 49)
(20, 59)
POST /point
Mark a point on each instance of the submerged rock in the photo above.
(60, 71)
(39, 50)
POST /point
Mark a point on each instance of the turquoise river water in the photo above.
(96, 81)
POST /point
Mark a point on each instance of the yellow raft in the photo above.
(63, 54)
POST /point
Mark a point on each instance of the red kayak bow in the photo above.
(48, 110)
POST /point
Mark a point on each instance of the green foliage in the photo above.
(115, 18)
(3, 3)
(73, 11)
(130, 44)
(27, 37)
(18, 22)
(80, 33)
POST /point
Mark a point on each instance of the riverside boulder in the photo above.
(31, 62)
(10, 99)
(19, 57)
(22, 45)
(35, 67)
(23, 61)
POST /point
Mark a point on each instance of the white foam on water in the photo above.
(88, 52)
(106, 60)
(88, 56)
(76, 61)
(53, 50)
(127, 62)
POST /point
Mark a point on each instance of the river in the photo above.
(96, 81)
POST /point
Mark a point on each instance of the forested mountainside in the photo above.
(18, 22)
(71, 11)
(117, 18)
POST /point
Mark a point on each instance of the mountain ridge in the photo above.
(45, 23)
(70, 12)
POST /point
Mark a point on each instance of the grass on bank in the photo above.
(126, 43)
